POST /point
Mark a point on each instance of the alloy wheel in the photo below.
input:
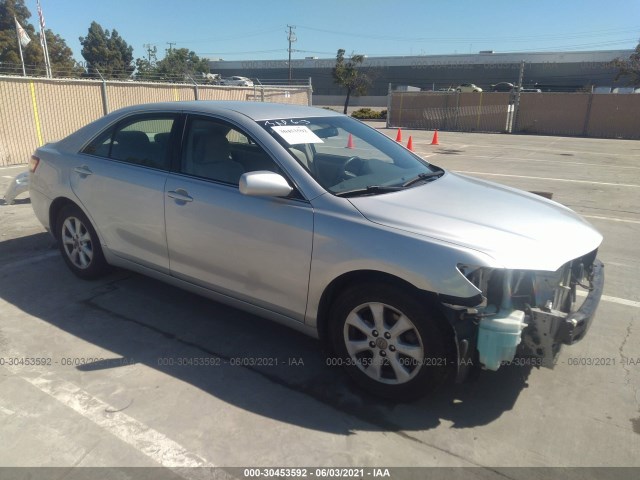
(77, 243)
(384, 343)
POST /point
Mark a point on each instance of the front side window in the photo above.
(142, 140)
(216, 150)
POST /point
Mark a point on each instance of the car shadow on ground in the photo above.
(24, 249)
(156, 324)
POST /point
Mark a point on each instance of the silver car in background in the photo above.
(410, 273)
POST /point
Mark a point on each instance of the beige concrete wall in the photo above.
(592, 115)
(614, 116)
(553, 113)
(484, 112)
(34, 111)
(18, 132)
(64, 107)
(575, 114)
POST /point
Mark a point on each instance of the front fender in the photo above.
(342, 245)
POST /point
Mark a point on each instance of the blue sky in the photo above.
(254, 29)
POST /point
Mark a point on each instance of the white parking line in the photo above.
(548, 178)
(143, 438)
(538, 160)
(6, 411)
(613, 219)
(538, 149)
(607, 298)
(7, 176)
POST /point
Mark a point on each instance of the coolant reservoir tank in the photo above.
(499, 336)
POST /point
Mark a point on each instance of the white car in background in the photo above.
(468, 88)
(237, 81)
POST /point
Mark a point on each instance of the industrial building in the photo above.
(548, 71)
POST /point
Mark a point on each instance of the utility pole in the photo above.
(292, 38)
(171, 44)
(516, 101)
(148, 46)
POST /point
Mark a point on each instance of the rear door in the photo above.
(120, 177)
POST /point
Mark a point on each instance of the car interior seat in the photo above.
(132, 146)
(212, 158)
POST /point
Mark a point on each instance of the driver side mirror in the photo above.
(264, 184)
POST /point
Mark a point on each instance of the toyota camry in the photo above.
(411, 274)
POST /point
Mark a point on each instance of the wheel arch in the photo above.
(344, 281)
(56, 207)
(95, 264)
(54, 210)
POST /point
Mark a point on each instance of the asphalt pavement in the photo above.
(129, 372)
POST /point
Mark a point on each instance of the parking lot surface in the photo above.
(127, 371)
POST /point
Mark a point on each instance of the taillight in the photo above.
(33, 163)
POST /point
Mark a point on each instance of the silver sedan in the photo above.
(411, 274)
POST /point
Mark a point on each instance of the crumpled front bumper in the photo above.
(548, 330)
(575, 326)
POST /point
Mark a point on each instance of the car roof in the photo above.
(254, 110)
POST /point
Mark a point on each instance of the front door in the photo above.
(255, 249)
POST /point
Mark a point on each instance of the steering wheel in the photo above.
(352, 166)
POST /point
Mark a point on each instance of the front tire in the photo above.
(79, 244)
(389, 341)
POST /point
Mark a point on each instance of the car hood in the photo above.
(518, 229)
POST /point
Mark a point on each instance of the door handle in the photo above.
(180, 195)
(83, 170)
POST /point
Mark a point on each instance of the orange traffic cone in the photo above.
(350, 141)
(399, 136)
(435, 138)
(410, 143)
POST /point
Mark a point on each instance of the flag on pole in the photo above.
(43, 41)
(41, 16)
(23, 41)
(23, 36)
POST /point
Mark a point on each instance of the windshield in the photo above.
(347, 157)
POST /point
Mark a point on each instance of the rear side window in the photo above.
(141, 140)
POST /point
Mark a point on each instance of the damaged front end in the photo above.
(527, 313)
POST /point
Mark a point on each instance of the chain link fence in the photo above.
(38, 110)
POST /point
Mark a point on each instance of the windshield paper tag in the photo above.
(297, 134)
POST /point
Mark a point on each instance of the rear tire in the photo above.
(79, 244)
(389, 341)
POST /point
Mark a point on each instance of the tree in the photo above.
(61, 56)
(107, 52)
(9, 53)
(630, 67)
(178, 65)
(347, 75)
(181, 64)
